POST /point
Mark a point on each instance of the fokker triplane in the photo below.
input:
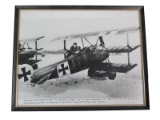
(26, 54)
(95, 58)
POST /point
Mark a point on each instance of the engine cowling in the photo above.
(112, 75)
(94, 73)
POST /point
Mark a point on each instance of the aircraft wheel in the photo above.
(112, 75)
(91, 72)
(97, 75)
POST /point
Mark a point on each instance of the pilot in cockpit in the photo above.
(74, 48)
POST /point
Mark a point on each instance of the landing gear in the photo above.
(93, 73)
(112, 75)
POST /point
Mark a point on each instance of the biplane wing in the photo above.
(113, 67)
(106, 32)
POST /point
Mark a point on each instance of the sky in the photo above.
(55, 23)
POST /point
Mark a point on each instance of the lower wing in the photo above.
(113, 67)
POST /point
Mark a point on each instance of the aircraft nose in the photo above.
(103, 55)
(33, 80)
(39, 80)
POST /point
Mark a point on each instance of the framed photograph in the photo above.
(79, 58)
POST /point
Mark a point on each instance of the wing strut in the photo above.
(64, 44)
(36, 48)
(87, 41)
(97, 41)
(128, 52)
(101, 40)
(128, 59)
(82, 42)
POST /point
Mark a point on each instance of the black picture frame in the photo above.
(15, 58)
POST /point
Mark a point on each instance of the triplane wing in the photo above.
(113, 67)
(122, 49)
(26, 61)
(32, 39)
(97, 33)
(93, 58)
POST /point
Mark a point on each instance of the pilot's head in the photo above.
(75, 44)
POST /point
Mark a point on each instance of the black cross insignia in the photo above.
(24, 74)
(63, 69)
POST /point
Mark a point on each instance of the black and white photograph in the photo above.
(80, 58)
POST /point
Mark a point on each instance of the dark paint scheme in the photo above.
(87, 57)
(26, 58)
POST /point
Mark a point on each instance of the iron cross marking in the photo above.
(24, 74)
(63, 69)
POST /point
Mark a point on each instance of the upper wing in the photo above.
(109, 50)
(114, 67)
(127, 30)
(106, 32)
(32, 39)
(126, 49)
